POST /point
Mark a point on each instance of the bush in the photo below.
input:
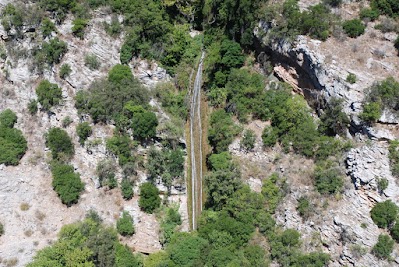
(397, 44)
(351, 78)
(395, 231)
(122, 147)
(127, 188)
(304, 207)
(32, 107)
(222, 130)
(272, 192)
(369, 13)
(248, 140)
(54, 50)
(84, 131)
(59, 143)
(106, 173)
(78, 27)
(371, 112)
(328, 177)
(66, 121)
(382, 184)
(386, 92)
(1, 229)
(387, 7)
(13, 145)
(384, 247)
(48, 94)
(334, 120)
(384, 213)
(47, 27)
(149, 197)
(8, 118)
(65, 71)
(66, 183)
(333, 3)
(144, 125)
(124, 225)
(394, 157)
(354, 28)
(91, 61)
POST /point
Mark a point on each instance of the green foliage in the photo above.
(371, 112)
(386, 92)
(87, 243)
(173, 100)
(144, 125)
(354, 28)
(1, 229)
(12, 143)
(83, 131)
(114, 28)
(351, 78)
(59, 8)
(48, 94)
(333, 3)
(53, 51)
(222, 130)
(59, 143)
(394, 157)
(91, 61)
(167, 164)
(386, 7)
(66, 183)
(124, 225)
(185, 249)
(106, 99)
(272, 192)
(221, 184)
(127, 189)
(328, 177)
(334, 120)
(384, 213)
(8, 118)
(304, 207)
(384, 247)
(106, 173)
(12, 18)
(382, 184)
(394, 231)
(149, 197)
(65, 71)
(122, 147)
(316, 22)
(168, 225)
(66, 121)
(221, 161)
(396, 44)
(369, 13)
(269, 136)
(78, 28)
(47, 27)
(248, 140)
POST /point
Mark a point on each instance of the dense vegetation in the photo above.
(124, 225)
(13, 144)
(149, 197)
(48, 94)
(394, 157)
(60, 144)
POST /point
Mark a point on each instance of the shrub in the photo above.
(371, 112)
(382, 184)
(351, 78)
(269, 136)
(122, 147)
(127, 189)
(384, 213)
(59, 143)
(1, 229)
(149, 197)
(396, 44)
(334, 120)
(13, 145)
(369, 13)
(84, 131)
(48, 94)
(333, 3)
(222, 130)
(32, 107)
(248, 140)
(54, 50)
(78, 27)
(395, 231)
(66, 121)
(328, 177)
(304, 207)
(354, 28)
(384, 247)
(47, 27)
(91, 61)
(272, 193)
(144, 125)
(387, 7)
(66, 183)
(8, 118)
(106, 173)
(394, 157)
(124, 225)
(386, 92)
(65, 71)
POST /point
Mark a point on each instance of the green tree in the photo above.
(8, 118)
(65, 71)
(84, 131)
(78, 27)
(32, 107)
(122, 146)
(127, 188)
(149, 197)
(222, 130)
(48, 27)
(328, 177)
(144, 125)
(48, 94)
(272, 193)
(384, 247)
(384, 213)
(54, 50)
(185, 249)
(371, 112)
(395, 231)
(59, 143)
(66, 183)
(106, 170)
(124, 257)
(354, 27)
(124, 225)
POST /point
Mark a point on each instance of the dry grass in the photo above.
(40, 215)
(28, 233)
(10, 262)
